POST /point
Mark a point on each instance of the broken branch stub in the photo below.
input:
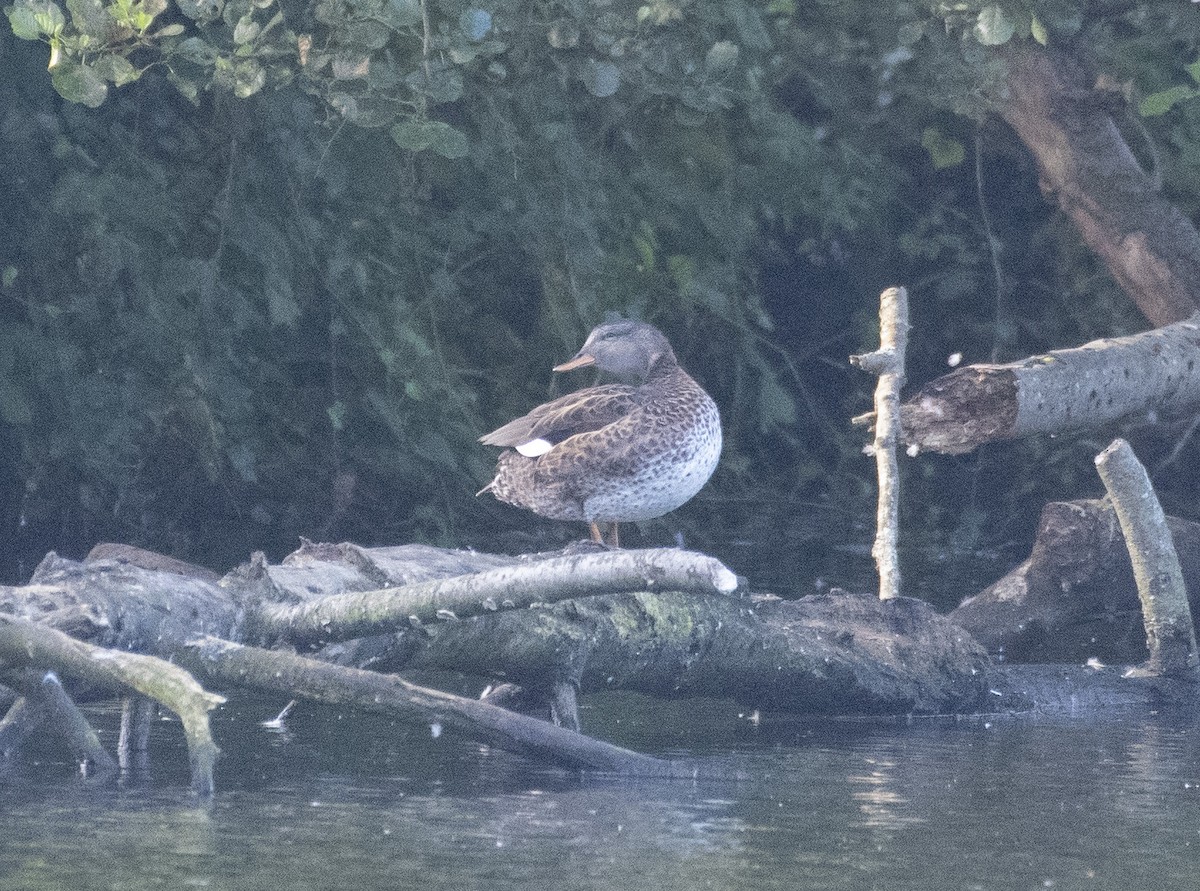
(1072, 389)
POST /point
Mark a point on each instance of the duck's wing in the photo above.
(580, 412)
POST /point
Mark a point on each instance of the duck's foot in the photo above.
(610, 536)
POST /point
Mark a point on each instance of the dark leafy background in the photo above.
(269, 269)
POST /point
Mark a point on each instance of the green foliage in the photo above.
(290, 304)
(1161, 102)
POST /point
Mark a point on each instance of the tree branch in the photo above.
(1147, 244)
(1170, 635)
(27, 644)
(1081, 388)
(386, 694)
(347, 616)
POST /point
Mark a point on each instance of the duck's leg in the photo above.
(613, 539)
(596, 536)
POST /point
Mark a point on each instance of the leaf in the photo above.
(194, 49)
(400, 13)
(79, 83)
(438, 85)
(246, 30)
(721, 58)
(1193, 71)
(202, 10)
(350, 66)
(1038, 30)
(436, 136)
(31, 19)
(90, 17)
(945, 151)
(1160, 103)
(602, 79)
(116, 69)
(994, 27)
(475, 24)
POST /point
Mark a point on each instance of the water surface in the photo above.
(335, 802)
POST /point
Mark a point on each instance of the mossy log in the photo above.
(663, 622)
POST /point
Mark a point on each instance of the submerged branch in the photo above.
(25, 644)
(386, 694)
(45, 701)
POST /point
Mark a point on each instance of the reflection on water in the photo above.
(337, 802)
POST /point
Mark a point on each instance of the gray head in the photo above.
(629, 350)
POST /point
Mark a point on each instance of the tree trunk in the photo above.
(1147, 244)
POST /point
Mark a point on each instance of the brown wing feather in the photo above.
(580, 412)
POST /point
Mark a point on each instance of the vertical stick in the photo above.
(888, 363)
(1170, 634)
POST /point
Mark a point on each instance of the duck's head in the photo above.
(626, 349)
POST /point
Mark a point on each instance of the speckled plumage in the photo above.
(618, 452)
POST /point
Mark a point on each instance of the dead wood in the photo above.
(830, 654)
(25, 644)
(358, 614)
(1073, 389)
(888, 363)
(228, 663)
(1074, 597)
(1170, 635)
(45, 707)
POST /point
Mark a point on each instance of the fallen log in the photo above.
(358, 614)
(827, 654)
(1073, 389)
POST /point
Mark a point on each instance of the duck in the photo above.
(612, 453)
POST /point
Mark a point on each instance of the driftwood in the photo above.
(230, 663)
(1061, 391)
(1074, 599)
(357, 614)
(835, 654)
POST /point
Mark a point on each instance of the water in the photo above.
(339, 803)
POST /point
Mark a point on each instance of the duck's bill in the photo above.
(580, 361)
